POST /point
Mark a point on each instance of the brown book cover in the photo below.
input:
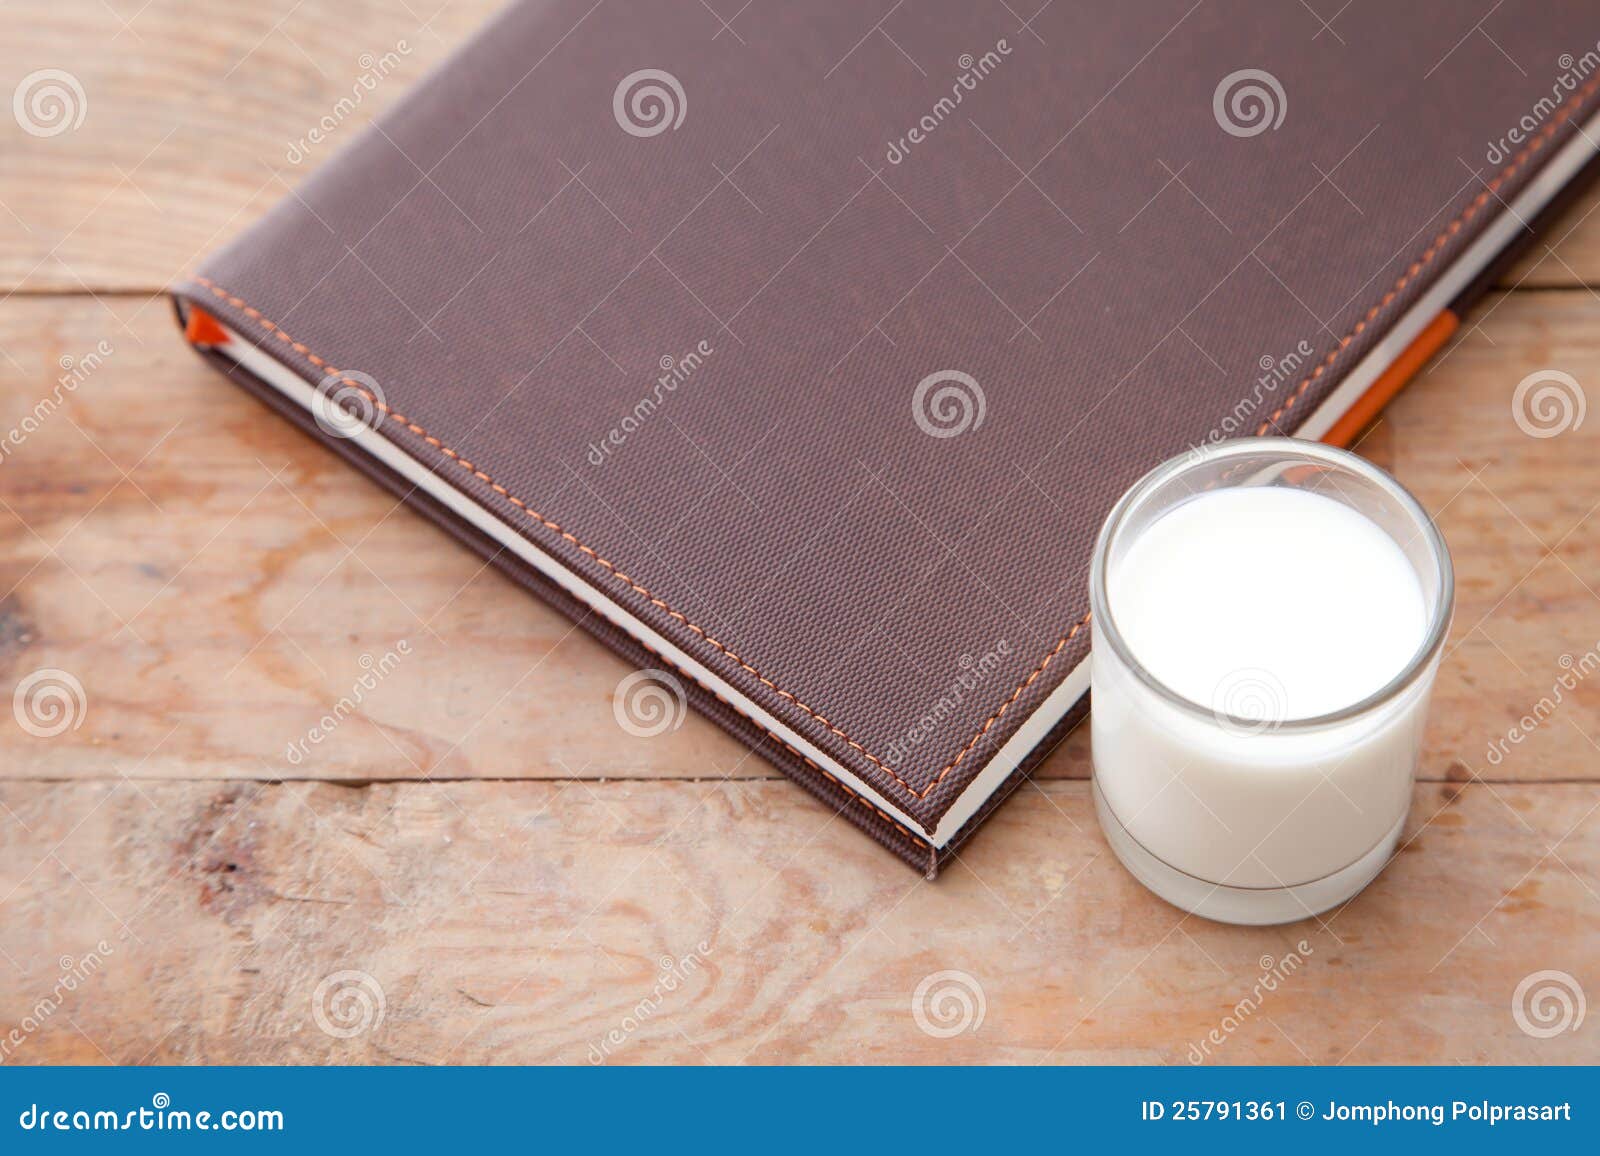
(798, 352)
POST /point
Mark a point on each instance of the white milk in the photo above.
(1261, 606)
(1297, 591)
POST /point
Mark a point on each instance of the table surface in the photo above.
(479, 865)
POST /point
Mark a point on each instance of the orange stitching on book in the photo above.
(1438, 243)
(914, 839)
(554, 527)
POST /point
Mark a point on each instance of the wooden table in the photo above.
(479, 852)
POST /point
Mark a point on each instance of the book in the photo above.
(798, 356)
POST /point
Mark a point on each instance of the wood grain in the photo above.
(526, 922)
(193, 115)
(215, 579)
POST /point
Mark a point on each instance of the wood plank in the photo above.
(214, 579)
(192, 118)
(511, 922)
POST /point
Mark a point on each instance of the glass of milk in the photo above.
(1268, 618)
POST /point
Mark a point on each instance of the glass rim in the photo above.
(1310, 453)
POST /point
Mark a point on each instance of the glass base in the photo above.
(1255, 906)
